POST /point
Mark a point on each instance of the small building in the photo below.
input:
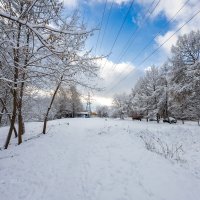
(93, 114)
(83, 114)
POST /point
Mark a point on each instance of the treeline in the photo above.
(172, 90)
(41, 50)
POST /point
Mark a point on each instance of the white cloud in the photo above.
(103, 101)
(166, 7)
(120, 1)
(109, 70)
(75, 3)
(70, 3)
(167, 46)
(110, 1)
(169, 9)
(111, 73)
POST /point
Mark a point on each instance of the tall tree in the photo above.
(185, 74)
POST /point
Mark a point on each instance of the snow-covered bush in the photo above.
(156, 145)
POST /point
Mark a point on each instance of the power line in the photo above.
(101, 25)
(106, 25)
(171, 20)
(121, 26)
(135, 33)
(88, 105)
(157, 49)
(119, 31)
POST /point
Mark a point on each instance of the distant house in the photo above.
(93, 114)
(83, 114)
(69, 114)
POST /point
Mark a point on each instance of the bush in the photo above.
(156, 145)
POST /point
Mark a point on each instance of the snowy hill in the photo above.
(98, 159)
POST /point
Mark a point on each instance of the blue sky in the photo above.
(157, 24)
(144, 34)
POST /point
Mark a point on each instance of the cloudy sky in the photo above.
(127, 27)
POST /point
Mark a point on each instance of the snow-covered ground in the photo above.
(98, 159)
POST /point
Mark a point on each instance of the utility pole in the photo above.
(88, 106)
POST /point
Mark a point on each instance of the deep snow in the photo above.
(98, 159)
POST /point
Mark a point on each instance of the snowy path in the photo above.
(94, 159)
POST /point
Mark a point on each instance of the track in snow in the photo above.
(95, 159)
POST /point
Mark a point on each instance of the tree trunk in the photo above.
(20, 118)
(45, 121)
(13, 118)
(1, 115)
(50, 105)
(9, 117)
(15, 131)
(20, 129)
(166, 104)
(147, 114)
(16, 76)
(21, 126)
(16, 62)
(73, 110)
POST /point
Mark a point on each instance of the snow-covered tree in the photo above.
(185, 75)
(102, 111)
(75, 100)
(145, 96)
(68, 99)
(36, 42)
(174, 88)
(121, 105)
